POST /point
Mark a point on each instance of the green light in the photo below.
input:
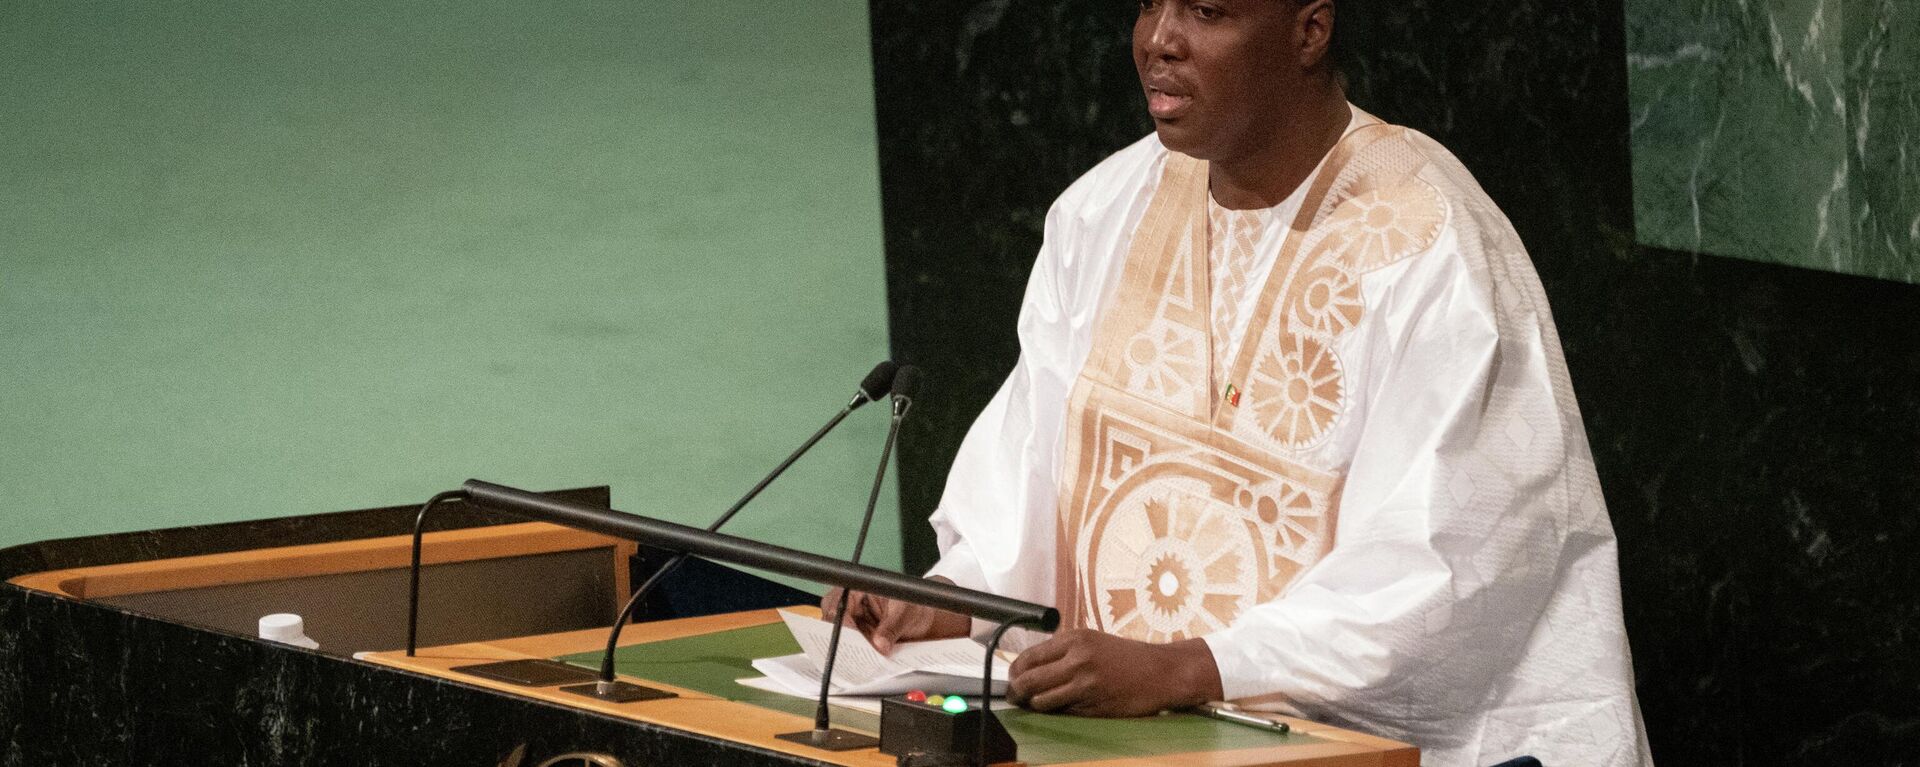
(954, 704)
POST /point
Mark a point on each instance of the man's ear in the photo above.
(1315, 24)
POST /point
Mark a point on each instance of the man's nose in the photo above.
(1165, 35)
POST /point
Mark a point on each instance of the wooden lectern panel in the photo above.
(712, 712)
(706, 713)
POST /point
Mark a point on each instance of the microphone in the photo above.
(823, 736)
(906, 383)
(877, 382)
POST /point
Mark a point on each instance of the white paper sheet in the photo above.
(859, 669)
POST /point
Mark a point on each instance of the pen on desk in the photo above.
(1227, 712)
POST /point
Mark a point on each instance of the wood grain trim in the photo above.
(1332, 754)
(693, 711)
(752, 725)
(623, 551)
(1392, 753)
(332, 558)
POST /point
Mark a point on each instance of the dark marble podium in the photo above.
(86, 681)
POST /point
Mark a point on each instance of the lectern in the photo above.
(138, 648)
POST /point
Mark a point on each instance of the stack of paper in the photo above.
(938, 666)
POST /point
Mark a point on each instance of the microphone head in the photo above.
(906, 382)
(877, 383)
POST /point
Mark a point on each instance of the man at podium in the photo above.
(1291, 427)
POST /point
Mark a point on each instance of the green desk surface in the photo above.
(710, 663)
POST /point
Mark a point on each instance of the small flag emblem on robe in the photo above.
(1233, 395)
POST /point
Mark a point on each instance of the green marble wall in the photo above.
(269, 257)
(1785, 131)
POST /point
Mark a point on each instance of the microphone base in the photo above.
(528, 673)
(618, 692)
(831, 740)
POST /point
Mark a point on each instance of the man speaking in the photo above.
(1291, 427)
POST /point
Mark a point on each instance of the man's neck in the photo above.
(1266, 177)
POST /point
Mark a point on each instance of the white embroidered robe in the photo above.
(1397, 526)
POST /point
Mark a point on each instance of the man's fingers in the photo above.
(888, 622)
(1019, 690)
(856, 604)
(895, 621)
(830, 602)
(1043, 677)
(887, 630)
(1030, 659)
(866, 616)
(1035, 680)
(1042, 654)
(1069, 693)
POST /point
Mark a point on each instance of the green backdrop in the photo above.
(274, 258)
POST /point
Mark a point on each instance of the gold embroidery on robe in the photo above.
(1178, 510)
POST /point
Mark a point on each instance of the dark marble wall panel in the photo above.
(986, 111)
(1757, 427)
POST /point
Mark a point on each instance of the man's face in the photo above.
(1217, 73)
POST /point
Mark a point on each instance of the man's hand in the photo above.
(887, 622)
(1091, 673)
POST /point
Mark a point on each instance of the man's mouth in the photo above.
(1166, 105)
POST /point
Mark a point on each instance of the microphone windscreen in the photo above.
(879, 380)
(906, 381)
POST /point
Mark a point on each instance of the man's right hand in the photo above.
(887, 622)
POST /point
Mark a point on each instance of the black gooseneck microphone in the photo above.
(877, 383)
(823, 736)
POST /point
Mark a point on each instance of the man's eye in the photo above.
(1147, 5)
(1206, 12)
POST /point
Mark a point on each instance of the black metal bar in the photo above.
(741, 551)
(413, 583)
(626, 613)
